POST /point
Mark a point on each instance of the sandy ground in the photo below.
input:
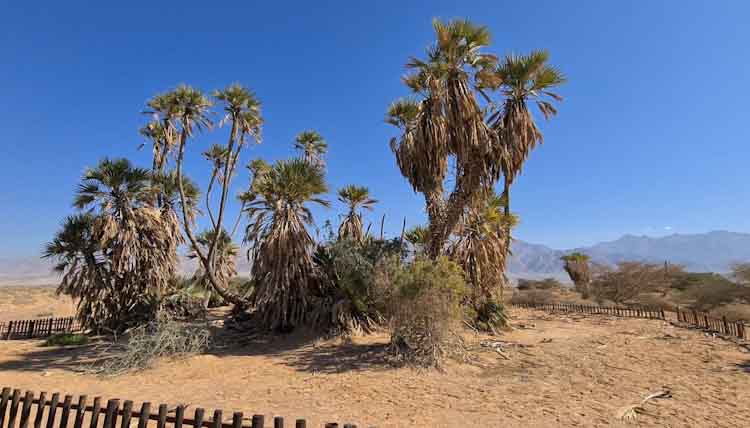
(562, 370)
(19, 302)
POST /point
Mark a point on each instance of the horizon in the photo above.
(625, 155)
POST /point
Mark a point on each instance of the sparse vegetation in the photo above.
(66, 339)
(145, 344)
(425, 307)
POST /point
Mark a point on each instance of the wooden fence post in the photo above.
(257, 421)
(39, 409)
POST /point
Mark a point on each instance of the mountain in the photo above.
(702, 252)
(713, 251)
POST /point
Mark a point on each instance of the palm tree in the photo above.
(280, 246)
(135, 240)
(522, 79)
(446, 122)
(313, 147)
(577, 266)
(356, 198)
(154, 131)
(479, 247)
(85, 269)
(186, 110)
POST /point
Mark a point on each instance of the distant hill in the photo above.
(702, 252)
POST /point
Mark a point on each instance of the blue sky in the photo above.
(651, 138)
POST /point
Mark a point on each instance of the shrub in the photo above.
(544, 284)
(66, 339)
(425, 299)
(533, 296)
(489, 316)
(162, 338)
(347, 300)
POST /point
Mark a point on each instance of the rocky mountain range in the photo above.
(712, 251)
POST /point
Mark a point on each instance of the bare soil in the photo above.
(19, 302)
(561, 370)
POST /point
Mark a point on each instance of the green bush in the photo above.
(489, 316)
(347, 300)
(425, 304)
(66, 339)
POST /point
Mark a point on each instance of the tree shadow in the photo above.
(309, 351)
(40, 359)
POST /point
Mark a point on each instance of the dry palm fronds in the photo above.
(631, 412)
(162, 338)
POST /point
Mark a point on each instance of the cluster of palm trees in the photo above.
(468, 123)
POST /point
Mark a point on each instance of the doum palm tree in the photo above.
(522, 79)
(280, 246)
(356, 198)
(313, 147)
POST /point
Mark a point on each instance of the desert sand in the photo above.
(561, 370)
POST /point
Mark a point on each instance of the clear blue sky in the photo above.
(653, 132)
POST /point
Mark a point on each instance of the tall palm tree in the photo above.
(355, 198)
(522, 79)
(313, 147)
(280, 246)
(446, 122)
(186, 110)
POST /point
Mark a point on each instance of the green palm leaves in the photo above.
(280, 245)
(356, 198)
(313, 147)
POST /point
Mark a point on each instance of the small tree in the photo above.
(627, 282)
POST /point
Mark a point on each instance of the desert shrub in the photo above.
(488, 315)
(627, 282)
(544, 284)
(347, 300)
(164, 337)
(66, 339)
(424, 304)
(533, 296)
(715, 292)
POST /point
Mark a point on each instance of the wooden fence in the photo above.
(27, 408)
(29, 329)
(694, 319)
(719, 325)
(619, 311)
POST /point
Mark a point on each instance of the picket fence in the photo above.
(37, 328)
(27, 408)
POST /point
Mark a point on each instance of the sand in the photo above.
(569, 371)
